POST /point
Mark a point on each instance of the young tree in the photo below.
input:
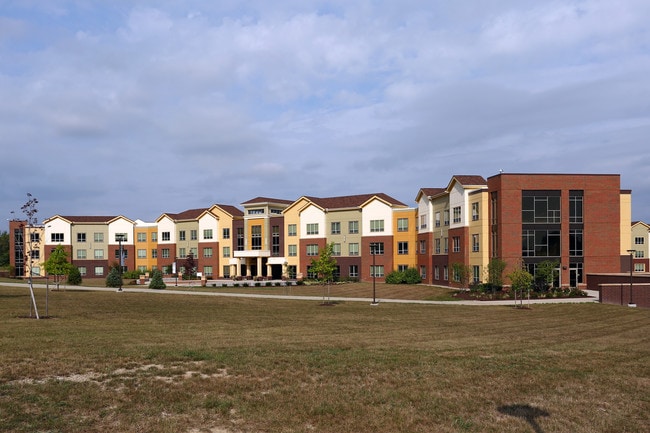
(190, 267)
(325, 266)
(74, 276)
(521, 280)
(545, 274)
(4, 249)
(461, 273)
(496, 267)
(57, 264)
(157, 280)
(114, 279)
(30, 210)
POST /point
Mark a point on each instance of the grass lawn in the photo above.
(132, 362)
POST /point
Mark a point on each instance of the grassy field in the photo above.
(131, 362)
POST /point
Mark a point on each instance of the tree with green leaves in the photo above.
(114, 278)
(57, 264)
(157, 280)
(545, 273)
(495, 269)
(4, 249)
(461, 273)
(74, 276)
(325, 266)
(521, 280)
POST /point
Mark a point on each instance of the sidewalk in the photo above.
(593, 296)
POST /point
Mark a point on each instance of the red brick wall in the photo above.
(619, 294)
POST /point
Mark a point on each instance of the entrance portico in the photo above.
(257, 263)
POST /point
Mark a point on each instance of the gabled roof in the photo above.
(430, 193)
(232, 210)
(88, 219)
(641, 223)
(187, 215)
(467, 180)
(351, 201)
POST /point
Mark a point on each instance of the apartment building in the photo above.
(581, 221)
(640, 246)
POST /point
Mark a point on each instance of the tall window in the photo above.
(575, 206)
(293, 250)
(353, 227)
(456, 241)
(457, 214)
(193, 235)
(312, 228)
(336, 249)
(81, 237)
(446, 217)
(226, 251)
(181, 252)
(437, 246)
(402, 248)
(445, 273)
(402, 224)
(423, 221)
(475, 215)
(423, 246)
(475, 243)
(353, 271)
(154, 236)
(445, 243)
(336, 228)
(225, 233)
(275, 241)
(476, 273)
(353, 249)
(437, 219)
(575, 243)
(436, 272)
(240, 239)
(181, 235)
(256, 237)
(154, 253)
(292, 230)
(376, 226)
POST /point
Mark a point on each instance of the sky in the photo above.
(139, 108)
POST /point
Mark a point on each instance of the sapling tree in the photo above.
(30, 211)
(57, 264)
(325, 266)
(521, 281)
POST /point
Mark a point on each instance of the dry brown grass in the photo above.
(135, 362)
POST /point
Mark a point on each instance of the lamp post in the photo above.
(631, 252)
(119, 237)
(373, 252)
(175, 270)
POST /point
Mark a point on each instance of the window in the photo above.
(225, 233)
(98, 254)
(311, 275)
(82, 270)
(457, 214)
(207, 233)
(575, 243)
(377, 248)
(142, 254)
(377, 271)
(476, 274)
(99, 271)
(256, 237)
(402, 248)
(445, 273)
(154, 253)
(423, 246)
(207, 252)
(639, 241)
(575, 206)
(423, 221)
(376, 226)
(142, 237)
(125, 253)
(353, 249)
(255, 211)
(437, 245)
(194, 252)
(207, 271)
(541, 243)
(474, 211)
(494, 208)
(35, 238)
(181, 252)
(456, 242)
(446, 217)
(639, 267)
(275, 241)
(154, 236)
(165, 253)
(99, 237)
(402, 268)
(475, 243)
(336, 249)
(353, 227)
(226, 271)
(353, 271)
(193, 235)
(540, 207)
(36, 254)
(445, 242)
(312, 228)
(226, 251)
(436, 272)
(336, 228)
(455, 274)
(423, 272)
(181, 235)
(121, 236)
(81, 237)
(240, 239)
(165, 236)
(293, 250)
(81, 254)
(402, 224)
(639, 254)
(292, 229)
(57, 237)
(437, 219)
(312, 250)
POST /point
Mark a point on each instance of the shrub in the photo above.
(114, 279)
(157, 280)
(74, 277)
(409, 276)
(133, 274)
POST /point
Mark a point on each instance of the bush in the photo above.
(114, 279)
(409, 276)
(74, 277)
(157, 280)
(132, 275)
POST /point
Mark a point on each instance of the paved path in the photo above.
(593, 296)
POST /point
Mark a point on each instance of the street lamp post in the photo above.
(119, 237)
(631, 252)
(175, 270)
(373, 252)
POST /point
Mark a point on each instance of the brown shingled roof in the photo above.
(232, 210)
(89, 218)
(268, 200)
(431, 192)
(471, 179)
(351, 201)
(189, 214)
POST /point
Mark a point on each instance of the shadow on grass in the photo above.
(526, 412)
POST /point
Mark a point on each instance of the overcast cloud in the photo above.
(137, 108)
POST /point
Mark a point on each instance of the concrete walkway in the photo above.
(591, 298)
